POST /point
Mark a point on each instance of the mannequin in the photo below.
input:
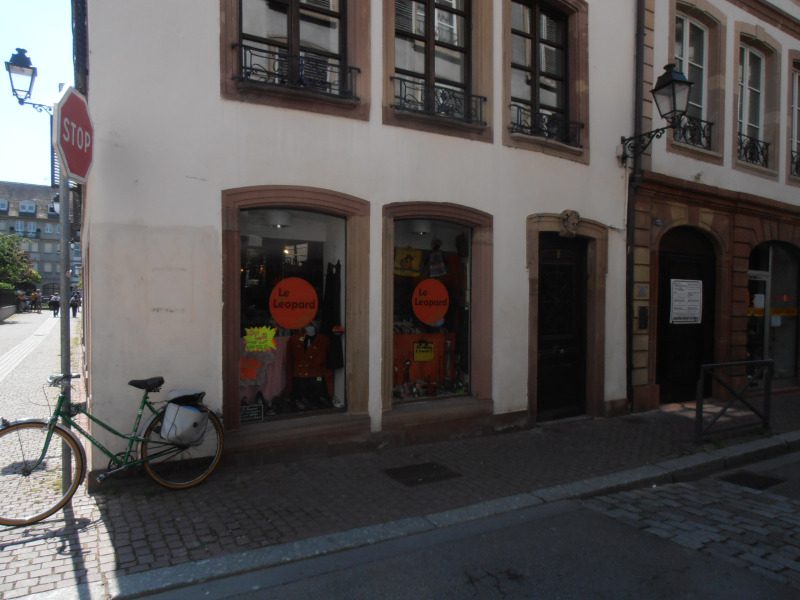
(308, 372)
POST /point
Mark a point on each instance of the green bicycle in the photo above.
(32, 467)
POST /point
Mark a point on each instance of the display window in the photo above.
(431, 343)
(291, 345)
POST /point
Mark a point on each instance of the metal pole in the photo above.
(63, 194)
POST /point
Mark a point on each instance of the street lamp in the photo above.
(21, 75)
(671, 95)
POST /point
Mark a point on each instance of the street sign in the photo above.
(73, 135)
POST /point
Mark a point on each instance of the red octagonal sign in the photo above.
(73, 135)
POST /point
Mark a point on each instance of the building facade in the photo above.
(27, 210)
(716, 202)
(350, 219)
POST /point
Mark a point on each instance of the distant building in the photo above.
(28, 211)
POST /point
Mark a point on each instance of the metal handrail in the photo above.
(538, 124)
(440, 101)
(768, 367)
(694, 132)
(753, 150)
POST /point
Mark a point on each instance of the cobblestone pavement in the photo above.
(752, 529)
(133, 525)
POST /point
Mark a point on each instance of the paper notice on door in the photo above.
(686, 306)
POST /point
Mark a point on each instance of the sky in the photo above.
(44, 29)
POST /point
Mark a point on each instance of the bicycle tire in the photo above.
(29, 496)
(181, 467)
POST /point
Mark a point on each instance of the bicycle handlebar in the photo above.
(58, 378)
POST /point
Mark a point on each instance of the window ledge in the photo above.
(438, 120)
(438, 125)
(698, 152)
(542, 141)
(255, 89)
(766, 172)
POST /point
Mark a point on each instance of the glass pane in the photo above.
(551, 30)
(521, 50)
(454, 4)
(450, 28)
(431, 309)
(551, 61)
(319, 32)
(754, 71)
(520, 85)
(409, 17)
(265, 19)
(520, 17)
(291, 356)
(754, 109)
(450, 65)
(409, 55)
(679, 40)
(697, 45)
(551, 93)
(695, 75)
(326, 4)
(783, 312)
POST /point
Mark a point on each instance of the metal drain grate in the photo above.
(421, 473)
(752, 480)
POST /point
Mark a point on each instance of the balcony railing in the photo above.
(694, 132)
(311, 72)
(795, 167)
(753, 151)
(554, 127)
(439, 101)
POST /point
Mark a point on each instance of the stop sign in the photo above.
(73, 135)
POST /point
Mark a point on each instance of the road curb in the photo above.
(693, 466)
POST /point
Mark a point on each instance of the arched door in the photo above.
(686, 291)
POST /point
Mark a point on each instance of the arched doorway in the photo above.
(772, 324)
(686, 299)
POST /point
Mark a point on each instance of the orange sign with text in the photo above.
(430, 301)
(293, 303)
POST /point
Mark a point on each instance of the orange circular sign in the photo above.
(293, 303)
(430, 301)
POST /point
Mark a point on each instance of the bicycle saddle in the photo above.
(153, 384)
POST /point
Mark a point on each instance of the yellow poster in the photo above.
(259, 339)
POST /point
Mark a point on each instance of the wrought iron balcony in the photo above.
(795, 163)
(694, 132)
(415, 96)
(554, 127)
(753, 150)
(310, 72)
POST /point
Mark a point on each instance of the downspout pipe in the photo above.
(633, 185)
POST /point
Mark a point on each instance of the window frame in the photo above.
(27, 207)
(577, 83)
(746, 91)
(356, 25)
(479, 75)
(683, 61)
(793, 103)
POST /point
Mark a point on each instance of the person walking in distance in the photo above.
(74, 303)
(55, 303)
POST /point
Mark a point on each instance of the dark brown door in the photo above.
(686, 255)
(562, 327)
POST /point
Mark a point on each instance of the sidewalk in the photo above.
(135, 537)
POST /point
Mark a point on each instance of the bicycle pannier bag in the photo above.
(185, 421)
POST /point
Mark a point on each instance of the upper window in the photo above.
(691, 58)
(296, 44)
(432, 51)
(539, 73)
(3, 205)
(27, 207)
(795, 147)
(751, 145)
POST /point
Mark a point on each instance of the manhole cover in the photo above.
(752, 480)
(421, 473)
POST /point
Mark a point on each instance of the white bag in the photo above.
(184, 423)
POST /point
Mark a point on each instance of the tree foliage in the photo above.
(15, 266)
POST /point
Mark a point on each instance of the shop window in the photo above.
(772, 324)
(291, 354)
(431, 349)
(306, 54)
(546, 76)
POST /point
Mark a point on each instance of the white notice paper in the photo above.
(686, 307)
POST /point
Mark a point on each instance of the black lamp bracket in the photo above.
(637, 144)
(42, 108)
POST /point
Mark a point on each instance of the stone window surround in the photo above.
(756, 38)
(358, 53)
(715, 23)
(578, 73)
(481, 49)
(356, 213)
(481, 300)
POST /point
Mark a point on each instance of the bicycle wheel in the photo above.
(179, 466)
(30, 490)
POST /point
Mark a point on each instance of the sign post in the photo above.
(73, 138)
